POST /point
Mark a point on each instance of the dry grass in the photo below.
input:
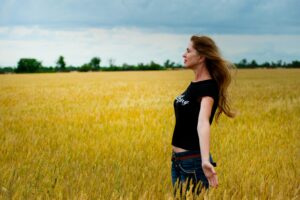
(107, 135)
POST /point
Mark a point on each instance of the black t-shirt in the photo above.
(187, 110)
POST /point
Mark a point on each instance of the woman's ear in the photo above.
(201, 58)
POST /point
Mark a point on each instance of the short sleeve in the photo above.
(205, 89)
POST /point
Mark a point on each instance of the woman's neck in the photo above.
(201, 73)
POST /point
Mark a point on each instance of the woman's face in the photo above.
(191, 57)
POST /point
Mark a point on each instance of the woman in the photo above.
(192, 163)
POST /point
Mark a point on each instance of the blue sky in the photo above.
(133, 31)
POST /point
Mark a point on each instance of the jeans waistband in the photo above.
(191, 152)
(185, 153)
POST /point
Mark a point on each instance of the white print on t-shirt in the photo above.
(180, 99)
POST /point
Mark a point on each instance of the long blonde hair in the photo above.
(218, 68)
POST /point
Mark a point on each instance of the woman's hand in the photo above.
(210, 173)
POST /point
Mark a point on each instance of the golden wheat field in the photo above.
(107, 135)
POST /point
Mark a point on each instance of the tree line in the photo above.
(32, 65)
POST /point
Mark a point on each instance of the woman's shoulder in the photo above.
(204, 83)
(205, 87)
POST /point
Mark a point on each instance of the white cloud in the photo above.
(132, 46)
(79, 46)
(210, 16)
(260, 47)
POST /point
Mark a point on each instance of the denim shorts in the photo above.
(188, 171)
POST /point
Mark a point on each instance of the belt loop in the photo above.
(173, 155)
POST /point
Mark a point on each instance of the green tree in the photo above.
(243, 63)
(95, 63)
(6, 70)
(60, 63)
(154, 66)
(253, 64)
(85, 67)
(279, 63)
(266, 64)
(28, 65)
(168, 63)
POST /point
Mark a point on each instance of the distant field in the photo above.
(107, 135)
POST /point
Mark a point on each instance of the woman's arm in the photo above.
(204, 138)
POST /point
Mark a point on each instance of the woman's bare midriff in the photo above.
(178, 149)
